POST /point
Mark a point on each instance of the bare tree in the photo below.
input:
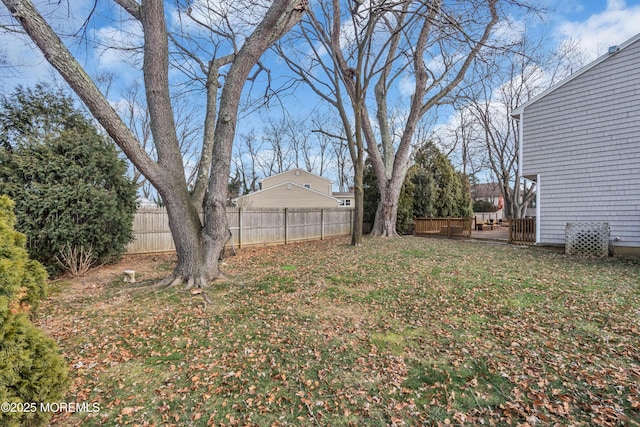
(343, 165)
(296, 145)
(332, 140)
(306, 153)
(198, 244)
(246, 162)
(465, 145)
(7, 68)
(286, 143)
(518, 75)
(400, 58)
(317, 159)
(329, 81)
(279, 154)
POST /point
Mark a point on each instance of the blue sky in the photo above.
(596, 24)
(593, 24)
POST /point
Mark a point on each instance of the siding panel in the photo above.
(584, 140)
(287, 195)
(300, 177)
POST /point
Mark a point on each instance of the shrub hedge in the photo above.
(32, 371)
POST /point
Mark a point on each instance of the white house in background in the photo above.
(144, 203)
(345, 198)
(580, 143)
(295, 188)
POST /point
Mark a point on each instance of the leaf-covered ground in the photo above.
(406, 331)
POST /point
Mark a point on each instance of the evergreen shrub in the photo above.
(68, 181)
(31, 369)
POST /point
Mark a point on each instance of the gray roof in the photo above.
(486, 190)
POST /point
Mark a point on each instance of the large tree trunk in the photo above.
(198, 245)
(387, 212)
(358, 212)
(202, 265)
(185, 226)
(392, 164)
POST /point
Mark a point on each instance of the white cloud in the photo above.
(120, 46)
(91, 44)
(126, 107)
(28, 65)
(616, 24)
(407, 86)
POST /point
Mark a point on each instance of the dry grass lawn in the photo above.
(405, 331)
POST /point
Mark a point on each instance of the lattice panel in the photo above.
(587, 238)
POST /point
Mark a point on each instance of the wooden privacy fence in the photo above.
(522, 231)
(249, 226)
(446, 227)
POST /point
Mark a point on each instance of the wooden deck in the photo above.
(497, 234)
(444, 227)
(522, 231)
(518, 231)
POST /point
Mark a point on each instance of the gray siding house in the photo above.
(580, 143)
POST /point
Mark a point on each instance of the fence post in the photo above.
(286, 226)
(511, 225)
(240, 227)
(321, 224)
(449, 227)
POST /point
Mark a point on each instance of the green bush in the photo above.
(69, 184)
(484, 206)
(31, 368)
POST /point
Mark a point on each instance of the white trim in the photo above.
(520, 119)
(538, 219)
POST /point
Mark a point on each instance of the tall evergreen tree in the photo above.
(447, 189)
(432, 189)
(424, 191)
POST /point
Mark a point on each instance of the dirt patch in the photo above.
(146, 267)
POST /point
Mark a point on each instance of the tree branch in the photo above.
(132, 7)
(61, 59)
